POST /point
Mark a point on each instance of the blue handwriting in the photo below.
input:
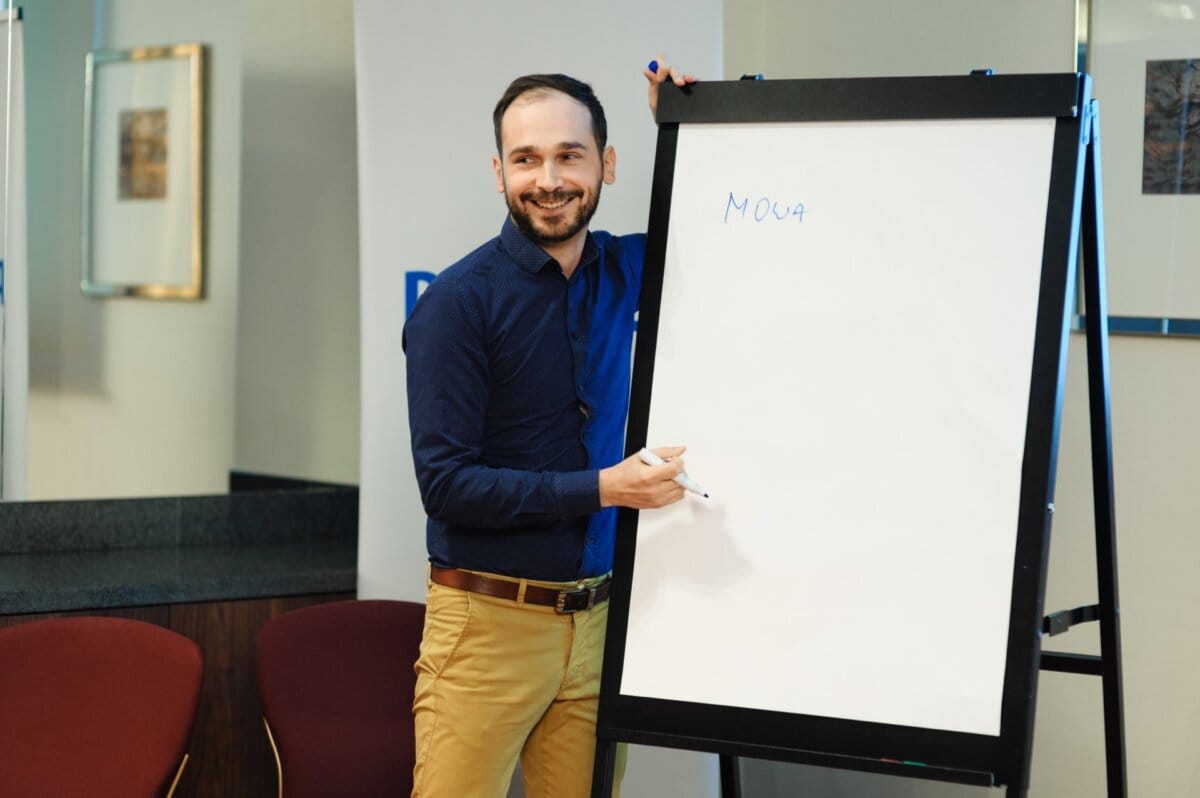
(764, 209)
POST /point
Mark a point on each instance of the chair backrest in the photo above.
(95, 707)
(336, 682)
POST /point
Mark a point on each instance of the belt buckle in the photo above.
(560, 602)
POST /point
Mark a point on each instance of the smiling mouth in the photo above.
(551, 202)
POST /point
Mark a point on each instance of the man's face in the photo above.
(550, 167)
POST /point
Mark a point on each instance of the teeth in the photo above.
(550, 206)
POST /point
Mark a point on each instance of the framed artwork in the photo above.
(143, 173)
(1171, 146)
(1144, 58)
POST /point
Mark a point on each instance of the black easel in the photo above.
(1107, 664)
(1107, 611)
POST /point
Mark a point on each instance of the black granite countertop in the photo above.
(73, 555)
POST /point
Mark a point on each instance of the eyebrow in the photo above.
(560, 147)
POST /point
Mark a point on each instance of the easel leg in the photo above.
(602, 770)
(1096, 312)
(731, 777)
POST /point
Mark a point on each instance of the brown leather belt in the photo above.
(563, 601)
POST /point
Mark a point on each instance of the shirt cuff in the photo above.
(579, 493)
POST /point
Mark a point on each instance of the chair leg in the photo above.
(178, 776)
(275, 751)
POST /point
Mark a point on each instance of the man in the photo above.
(518, 381)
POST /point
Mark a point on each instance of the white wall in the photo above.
(428, 77)
(56, 38)
(297, 331)
(127, 397)
(1156, 429)
(863, 38)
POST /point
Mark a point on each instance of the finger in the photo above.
(651, 69)
(658, 477)
(669, 452)
(665, 497)
(661, 476)
(664, 69)
(652, 74)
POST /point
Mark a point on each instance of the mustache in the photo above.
(558, 195)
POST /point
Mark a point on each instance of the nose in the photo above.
(549, 179)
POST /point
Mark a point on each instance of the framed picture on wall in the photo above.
(143, 173)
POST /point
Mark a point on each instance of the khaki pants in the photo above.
(498, 680)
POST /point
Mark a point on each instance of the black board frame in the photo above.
(899, 750)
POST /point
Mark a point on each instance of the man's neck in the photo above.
(567, 253)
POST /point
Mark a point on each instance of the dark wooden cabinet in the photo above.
(229, 753)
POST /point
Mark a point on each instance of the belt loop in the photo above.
(521, 591)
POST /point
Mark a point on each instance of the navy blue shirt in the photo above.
(518, 389)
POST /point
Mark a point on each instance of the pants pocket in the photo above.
(447, 613)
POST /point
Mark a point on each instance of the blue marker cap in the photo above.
(653, 66)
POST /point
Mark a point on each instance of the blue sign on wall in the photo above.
(414, 284)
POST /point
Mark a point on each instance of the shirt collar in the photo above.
(531, 257)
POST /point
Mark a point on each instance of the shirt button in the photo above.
(583, 408)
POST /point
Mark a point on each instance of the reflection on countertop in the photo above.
(267, 537)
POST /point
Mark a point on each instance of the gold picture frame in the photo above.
(144, 172)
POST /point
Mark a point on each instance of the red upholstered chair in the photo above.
(95, 707)
(336, 682)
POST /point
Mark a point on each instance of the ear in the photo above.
(610, 165)
(499, 169)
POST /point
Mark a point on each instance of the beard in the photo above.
(560, 229)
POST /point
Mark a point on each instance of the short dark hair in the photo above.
(575, 89)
